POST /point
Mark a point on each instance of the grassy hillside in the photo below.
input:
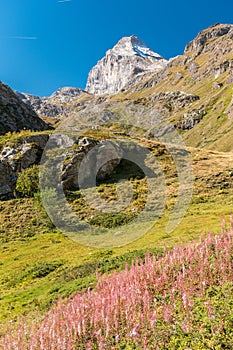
(39, 263)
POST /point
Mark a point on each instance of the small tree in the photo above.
(28, 182)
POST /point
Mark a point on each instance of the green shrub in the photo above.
(43, 269)
(111, 220)
(28, 182)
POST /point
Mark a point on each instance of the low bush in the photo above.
(28, 182)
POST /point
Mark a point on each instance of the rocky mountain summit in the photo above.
(129, 58)
(16, 115)
(66, 94)
(209, 54)
(202, 41)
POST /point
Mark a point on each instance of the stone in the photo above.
(6, 180)
(189, 120)
(217, 85)
(229, 110)
(15, 158)
(100, 158)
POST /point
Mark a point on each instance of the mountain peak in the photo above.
(132, 45)
(129, 58)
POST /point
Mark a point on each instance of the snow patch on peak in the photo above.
(131, 46)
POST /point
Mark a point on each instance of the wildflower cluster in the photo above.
(180, 300)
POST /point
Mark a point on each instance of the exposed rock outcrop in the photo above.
(145, 112)
(128, 59)
(16, 157)
(229, 110)
(101, 159)
(189, 120)
(199, 43)
(66, 94)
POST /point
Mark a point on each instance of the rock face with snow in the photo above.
(129, 58)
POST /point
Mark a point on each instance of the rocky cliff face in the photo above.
(128, 59)
(15, 115)
(203, 40)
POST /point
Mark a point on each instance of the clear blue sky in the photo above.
(47, 44)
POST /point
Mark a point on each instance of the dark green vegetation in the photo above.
(28, 182)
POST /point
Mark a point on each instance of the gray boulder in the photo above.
(15, 158)
(98, 160)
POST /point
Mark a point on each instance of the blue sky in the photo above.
(47, 44)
